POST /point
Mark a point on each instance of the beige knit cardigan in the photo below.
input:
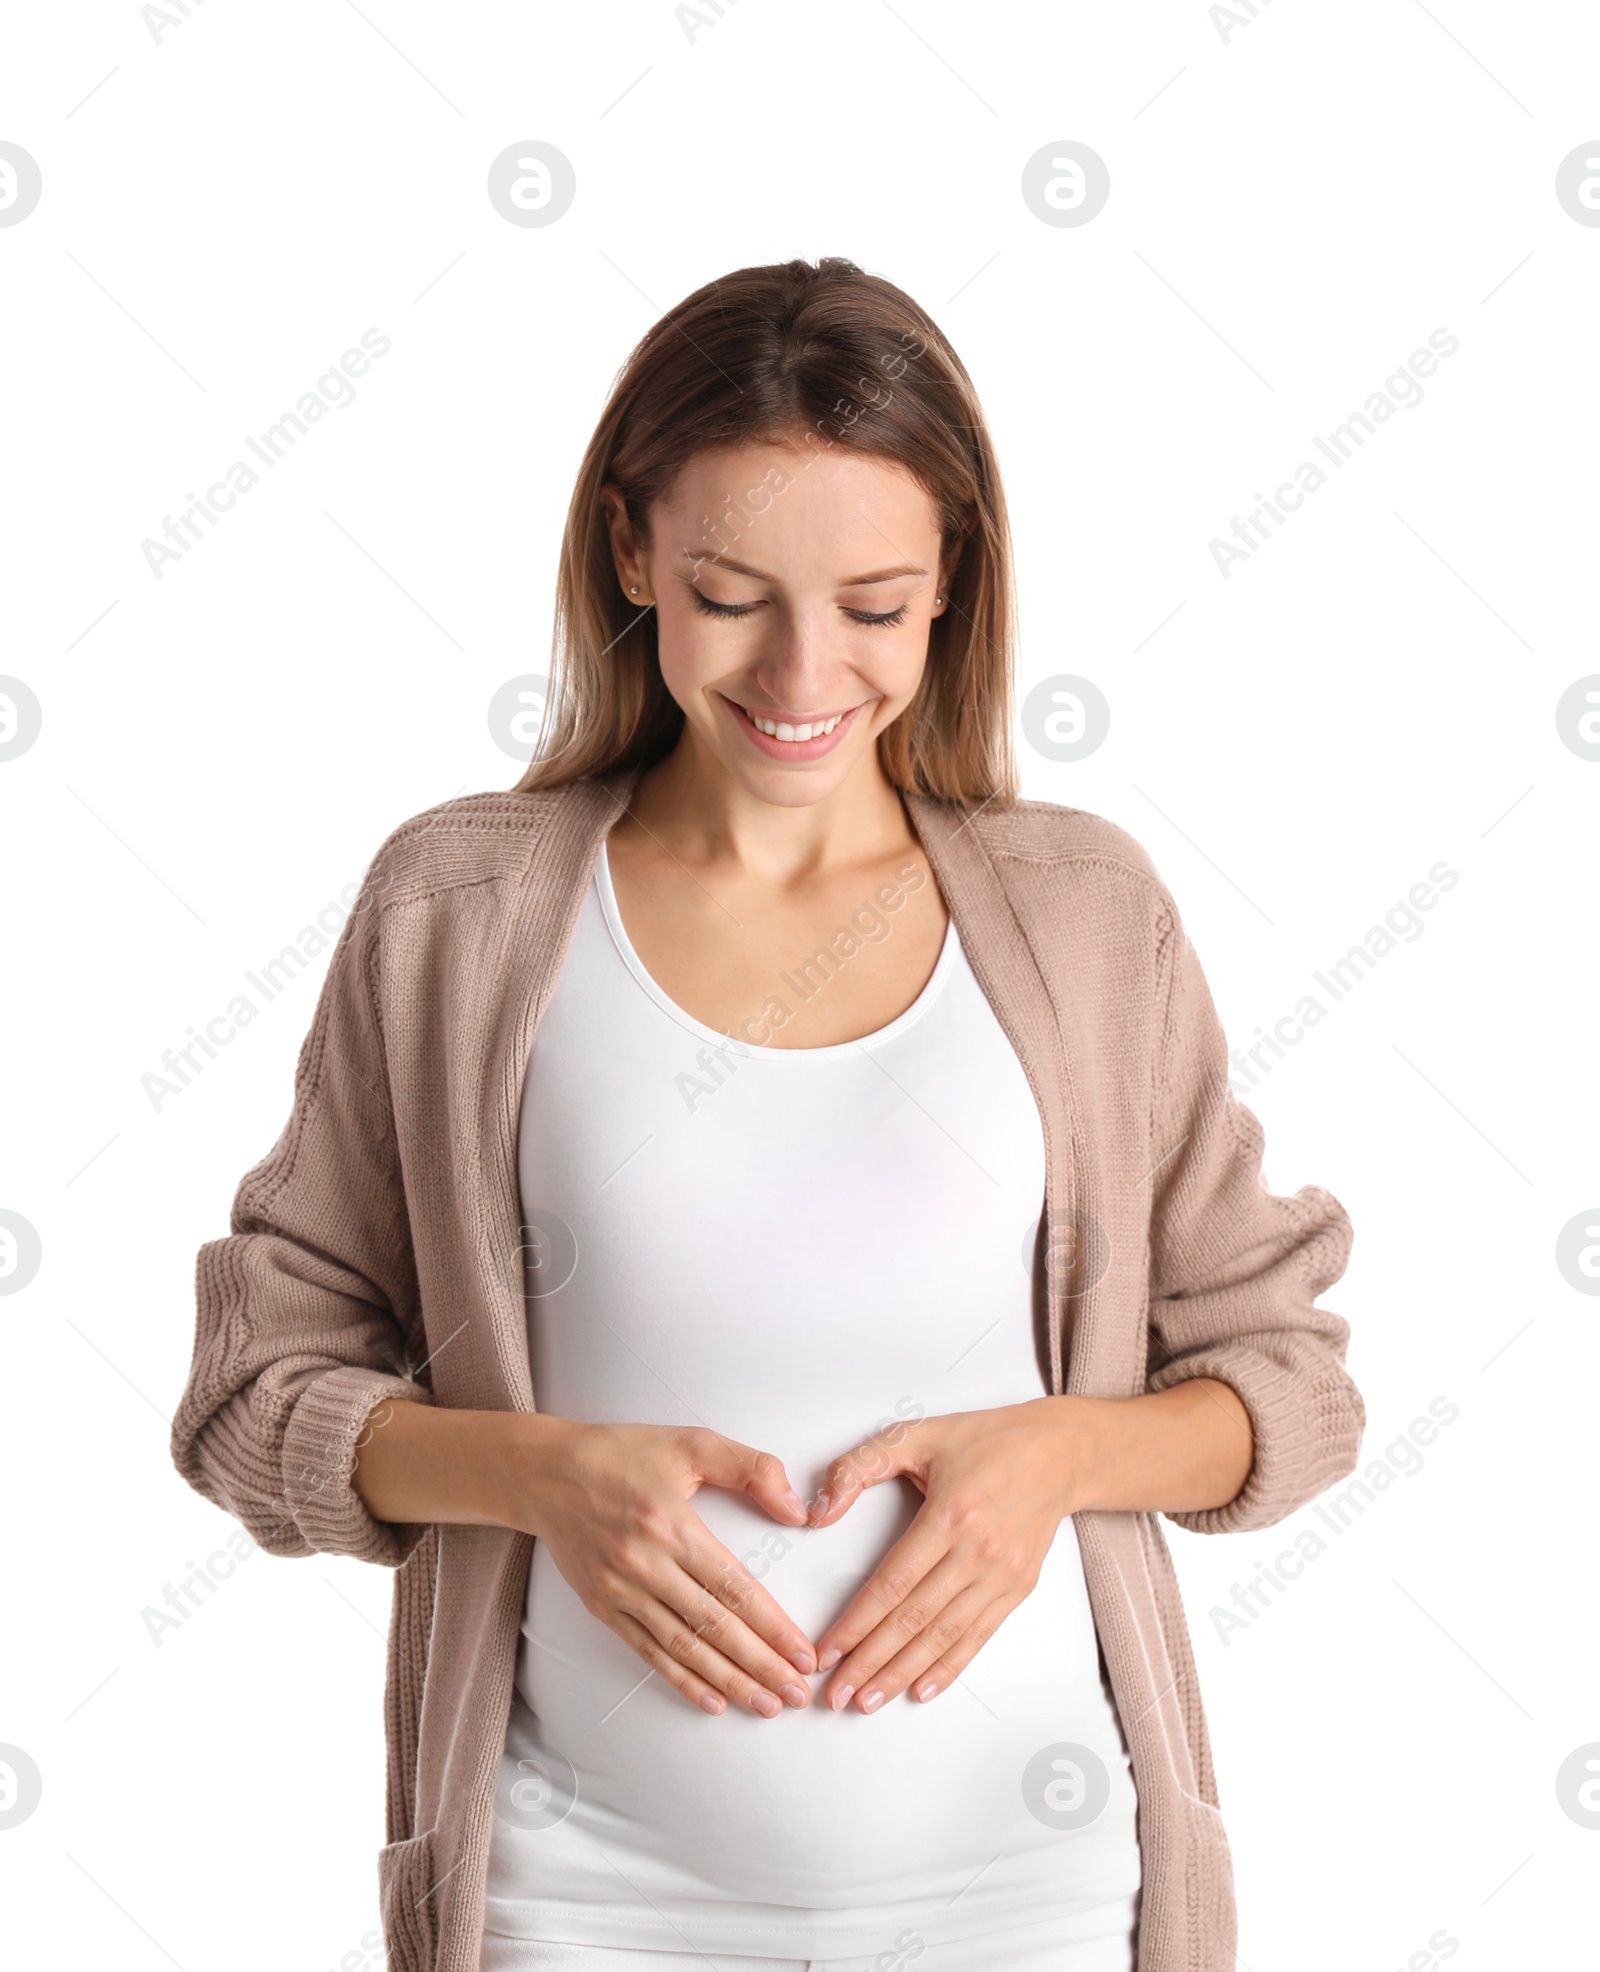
(375, 1252)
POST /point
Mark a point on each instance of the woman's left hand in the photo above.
(996, 1486)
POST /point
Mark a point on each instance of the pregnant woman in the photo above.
(763, 1231)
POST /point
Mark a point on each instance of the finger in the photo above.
(692, 1686)
(944, 1671)
(921, 1608)
(920, 1549)
(932, 1661)
(737, 1468)
(689, 1646)
(898, 1448)
(717, 1597)
(703, 1557)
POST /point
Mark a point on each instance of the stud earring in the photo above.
(938, 599)
(633, 588)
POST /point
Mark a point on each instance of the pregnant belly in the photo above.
(823, 1808)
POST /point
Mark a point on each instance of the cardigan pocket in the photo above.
(406, 1885)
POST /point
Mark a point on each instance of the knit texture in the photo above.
(376, 1252)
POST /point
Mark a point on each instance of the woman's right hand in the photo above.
(612, 1503)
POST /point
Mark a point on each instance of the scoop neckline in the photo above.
(949, 951)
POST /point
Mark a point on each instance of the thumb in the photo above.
(887, 1454)
(737, 1468)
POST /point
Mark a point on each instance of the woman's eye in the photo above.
(727, 611)
(708, 608)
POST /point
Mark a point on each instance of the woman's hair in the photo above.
(816, 356)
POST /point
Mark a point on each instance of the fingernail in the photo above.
(828, 1659)
(842, 1696)
(804, 1662)
(766, 1704)
(927, 1688)
(819, 1505)
(872, 1701)
(794, 1694)
(795, 1504)
(710, 1702)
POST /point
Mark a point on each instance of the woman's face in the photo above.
(793, 593)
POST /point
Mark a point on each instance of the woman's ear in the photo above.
(625, 555)
(950, 553)
(941, 588)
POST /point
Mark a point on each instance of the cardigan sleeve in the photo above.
(1235, 1269)
(307, 1310)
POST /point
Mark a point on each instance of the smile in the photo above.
(780, 729)
(801, 739)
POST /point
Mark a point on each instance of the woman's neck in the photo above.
(701, 815)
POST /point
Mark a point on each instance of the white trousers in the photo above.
(1028, 1948)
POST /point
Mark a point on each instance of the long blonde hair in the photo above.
(818, 355)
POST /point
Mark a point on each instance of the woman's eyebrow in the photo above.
(850, 581)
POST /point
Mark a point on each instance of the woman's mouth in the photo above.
(781, 729)
(791, 739)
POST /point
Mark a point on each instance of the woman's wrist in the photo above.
(1083, 1441)
(429, 1463)
(1179, 1450)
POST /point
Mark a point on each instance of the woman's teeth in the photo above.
(777, 729)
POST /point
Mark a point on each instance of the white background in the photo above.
(1296, 203)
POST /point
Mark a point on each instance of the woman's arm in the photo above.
(611, 1503)
(997, 1485)
(423, 1464)
(1236, 1270)
(307, 1311)
(1178, 1450)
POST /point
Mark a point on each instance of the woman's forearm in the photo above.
(1178, 1450)
(425, 1463)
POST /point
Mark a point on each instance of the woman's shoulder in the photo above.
(1068, 873)
(1047, 832)
(476, 838)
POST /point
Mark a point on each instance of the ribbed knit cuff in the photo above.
(1301, 1435)
(319, 1451)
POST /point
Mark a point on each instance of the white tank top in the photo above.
(793, 1246)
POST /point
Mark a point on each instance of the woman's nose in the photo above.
(793, 663)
